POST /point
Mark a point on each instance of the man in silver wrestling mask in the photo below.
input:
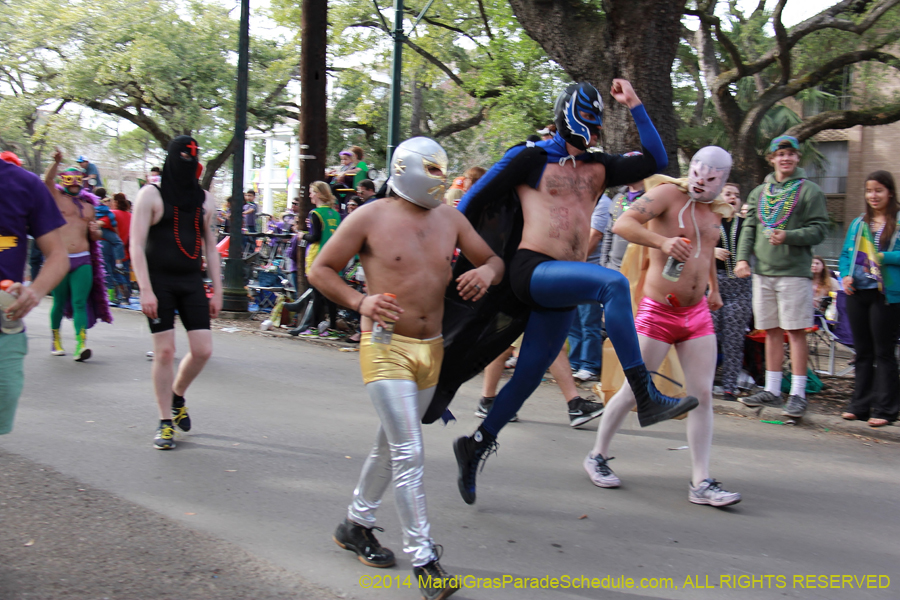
(405, 243)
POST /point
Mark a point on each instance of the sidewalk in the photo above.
(859, 429)
(812, 419)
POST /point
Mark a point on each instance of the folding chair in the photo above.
(834, 333)
(267, 289)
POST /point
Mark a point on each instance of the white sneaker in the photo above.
(584, 375)
(511, 362)
(710, 492)
(598, 470)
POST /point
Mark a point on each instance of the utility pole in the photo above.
(234, 297)
(396, 81)
(313, 133)
(397, 72)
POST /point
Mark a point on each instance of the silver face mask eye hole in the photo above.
(429, 163)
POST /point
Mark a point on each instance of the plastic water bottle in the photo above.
(382, 335)
(6, 300)
(673, 268)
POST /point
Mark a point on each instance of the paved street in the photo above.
(281, 428)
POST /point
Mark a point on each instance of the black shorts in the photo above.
(521, 269)
(184, 293)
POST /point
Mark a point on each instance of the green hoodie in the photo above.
(806, 227)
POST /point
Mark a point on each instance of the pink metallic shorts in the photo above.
(672, 325)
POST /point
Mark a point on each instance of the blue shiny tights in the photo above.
(557, 284)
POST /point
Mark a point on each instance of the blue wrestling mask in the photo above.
(579, 114)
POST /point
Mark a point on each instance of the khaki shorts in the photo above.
(785, 302)
(405, 358)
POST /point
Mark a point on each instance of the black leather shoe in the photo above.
(434, 582)
(361, 540)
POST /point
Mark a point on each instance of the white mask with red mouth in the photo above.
(707, 177)
(708, 173)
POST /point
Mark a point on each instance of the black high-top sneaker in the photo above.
(434, 582)
(361, 540)
(484, 407)
(653, 406)
(180, 416)
(582, 411)
(469, 452)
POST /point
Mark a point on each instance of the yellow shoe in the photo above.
(56, 348)
(82, 353)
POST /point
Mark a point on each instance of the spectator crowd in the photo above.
(768, 278)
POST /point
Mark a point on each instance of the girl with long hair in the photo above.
(823, 283)
(323, 220)
(870, 270)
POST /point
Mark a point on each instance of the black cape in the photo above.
(475, 333)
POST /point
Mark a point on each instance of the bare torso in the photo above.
(408, 252)
(75, 231)
(691, 286)
(558, 213)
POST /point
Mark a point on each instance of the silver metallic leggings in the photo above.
(398, 454)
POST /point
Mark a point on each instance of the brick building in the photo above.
(851, 154)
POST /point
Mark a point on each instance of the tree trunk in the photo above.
(748, 171)
(418, 108)
(213, 165)
(632, 39)
(313, 124)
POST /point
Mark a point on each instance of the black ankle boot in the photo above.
(653, 406)
(434, 582)
(361, 540)
(469, 452)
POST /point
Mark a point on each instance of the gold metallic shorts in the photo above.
(405, 358)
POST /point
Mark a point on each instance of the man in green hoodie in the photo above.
(787, 216)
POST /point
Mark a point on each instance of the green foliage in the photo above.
(759, 101)
(496, 69)
(279, 204)
(168, 67)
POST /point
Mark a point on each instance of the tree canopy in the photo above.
(166, 67)
(478, 76)
(749, 65)
(472, 79)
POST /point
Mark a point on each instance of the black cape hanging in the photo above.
(180, 184)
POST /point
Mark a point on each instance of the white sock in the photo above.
(773, 382)
(798, 385)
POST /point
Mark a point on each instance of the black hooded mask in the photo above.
(180, 185)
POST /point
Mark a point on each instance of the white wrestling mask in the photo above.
(708, 173)
(419, 172)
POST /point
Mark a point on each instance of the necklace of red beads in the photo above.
(196, 252)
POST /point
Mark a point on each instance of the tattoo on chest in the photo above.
(559, 220)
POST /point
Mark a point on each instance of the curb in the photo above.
(858, 429)
(343, 346)
(818, 421)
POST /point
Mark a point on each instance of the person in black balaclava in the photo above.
(170, 232)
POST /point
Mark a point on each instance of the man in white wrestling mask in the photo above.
(708, 173)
